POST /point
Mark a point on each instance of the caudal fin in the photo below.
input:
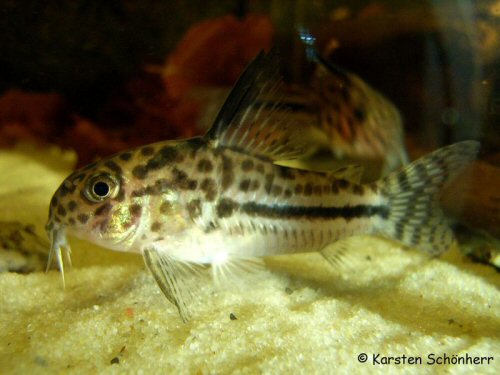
(415, 217)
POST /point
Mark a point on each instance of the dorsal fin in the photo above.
(249, 122)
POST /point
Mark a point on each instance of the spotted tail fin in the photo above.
(415, 217)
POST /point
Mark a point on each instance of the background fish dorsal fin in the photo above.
(325, 68)
(249, 122)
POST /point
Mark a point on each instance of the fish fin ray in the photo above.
(245, 122)
(414, 216)
(174, 277)
(342, 255)
(235, 269)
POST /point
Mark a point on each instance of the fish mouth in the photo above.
(57, 237)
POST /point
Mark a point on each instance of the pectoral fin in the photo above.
(175, 279)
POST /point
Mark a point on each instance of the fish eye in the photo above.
(100, 187)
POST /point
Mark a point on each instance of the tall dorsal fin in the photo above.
(249, 122)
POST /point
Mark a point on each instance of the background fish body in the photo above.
(358, 121)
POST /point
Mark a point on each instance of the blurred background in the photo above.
(99, 77)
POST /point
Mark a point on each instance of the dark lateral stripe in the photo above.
(314, 212)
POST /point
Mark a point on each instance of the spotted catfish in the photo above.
(221, 199)
(352, 118)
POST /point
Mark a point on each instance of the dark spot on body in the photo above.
(298, 189)
(179, 176)
(72, 221)
(83, 218)
(247, 165)
(209, 187)
(254, 185)
(125, 156)
(182, 181)
(156, 226)
(245, 185)
(166, 208)
(61, 211)
(72, 206)
(288, 193)
(140, 172)
(276, 190)
(113, 166)
(164, 156)
(180, 157)
(225, 207)
(205, 166)
(308, 189)
(66, 188)
(159, 187)
(121, 195)
(358, 189)
(343, 184)
(286, 173)
(79, 178)
(103, 210)
(168, 154)
(147, 151)
(135, 210)
(194, 208)
(53, 201)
